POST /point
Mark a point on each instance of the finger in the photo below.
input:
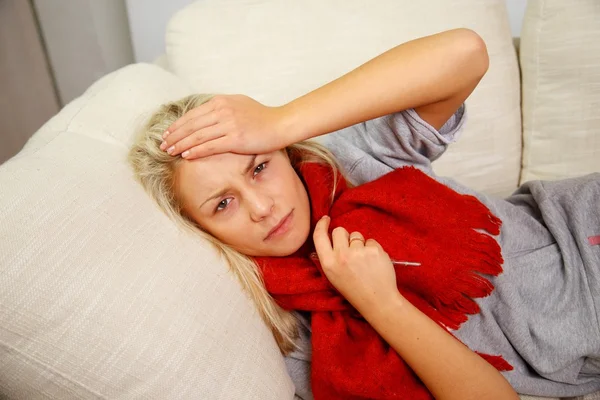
(322, 242)
(339, 237)
(373, 243)
(216, 146)
(191, 126)
(202, 109)
(197, 138)
(356, 239)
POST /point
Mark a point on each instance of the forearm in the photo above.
(449, 369)
(421, 72)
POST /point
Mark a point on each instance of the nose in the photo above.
(260, 205)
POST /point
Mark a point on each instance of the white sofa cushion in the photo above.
(276, 50)
(560, 62)
(101, 295)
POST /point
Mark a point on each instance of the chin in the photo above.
(290, 246)
(281, 248)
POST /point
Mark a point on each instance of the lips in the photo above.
(281, 227)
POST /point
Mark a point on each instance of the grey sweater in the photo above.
(543, 316)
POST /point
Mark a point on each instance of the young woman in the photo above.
(229, 168)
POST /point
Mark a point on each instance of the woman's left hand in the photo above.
(360, 270)
(227, 123)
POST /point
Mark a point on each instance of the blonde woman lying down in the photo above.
(232, 169)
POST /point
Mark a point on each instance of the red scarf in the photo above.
(414, 218)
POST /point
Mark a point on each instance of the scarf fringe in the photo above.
(453, 305)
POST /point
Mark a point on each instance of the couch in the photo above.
(102, 296)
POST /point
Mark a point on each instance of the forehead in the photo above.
(224, 161)
(211, 170)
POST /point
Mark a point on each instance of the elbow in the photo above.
(475, 52)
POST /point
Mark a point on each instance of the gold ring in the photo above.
(356, 238)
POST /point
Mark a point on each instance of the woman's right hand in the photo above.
(228, 123)
(359, 269)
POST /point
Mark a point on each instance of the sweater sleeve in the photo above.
(373, 148)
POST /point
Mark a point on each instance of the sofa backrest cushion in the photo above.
(560, 63)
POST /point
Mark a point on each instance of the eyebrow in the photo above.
(250, 164)
(225, 190)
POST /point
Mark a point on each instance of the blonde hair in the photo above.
(155, 170)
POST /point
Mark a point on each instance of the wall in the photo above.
(85, 40)
(516, 11)
(27, 96)
(148, 20)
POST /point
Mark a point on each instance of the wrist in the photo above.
(381, 311)
(290, 124)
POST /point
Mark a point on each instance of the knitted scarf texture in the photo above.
(414, 218)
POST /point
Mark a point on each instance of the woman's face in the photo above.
(256, 204)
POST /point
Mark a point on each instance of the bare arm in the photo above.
(450, 370)
(434, 75)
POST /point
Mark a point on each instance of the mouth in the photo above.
(282, 227)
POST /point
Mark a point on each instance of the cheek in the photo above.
(288, 189)
(299, 188)
(228, 230)
(297, 196)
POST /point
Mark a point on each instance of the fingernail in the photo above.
(164, 135)
(171, 150)
(163, 145)
(185, 154)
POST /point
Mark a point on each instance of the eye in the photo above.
(259, 168)
(223, 204)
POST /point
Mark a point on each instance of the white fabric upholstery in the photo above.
(560, 62)
(101, 296)
(276, 50)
